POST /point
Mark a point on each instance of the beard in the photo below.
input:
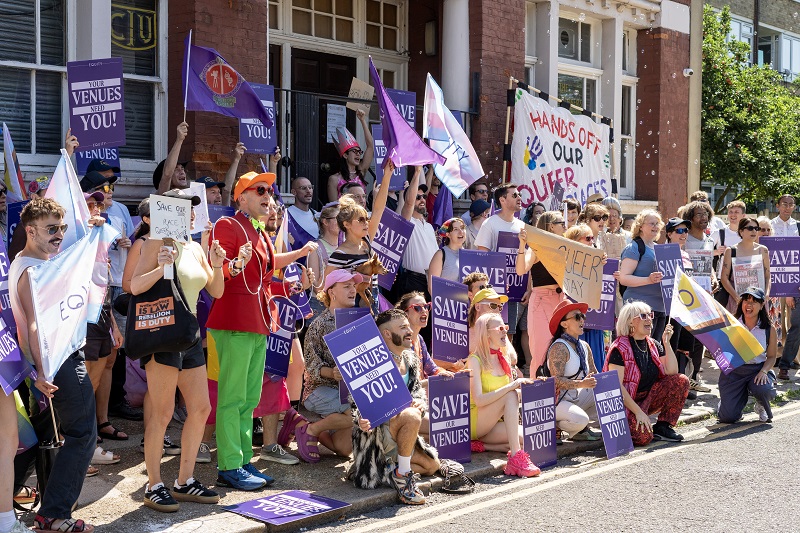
(422, 211)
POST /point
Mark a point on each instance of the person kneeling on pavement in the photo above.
(394, 452)
(648, 372)
(756, 376)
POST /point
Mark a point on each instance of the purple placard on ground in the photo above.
(109, 155)
(448, 406)
(279, 343)
(368, 369)
(493, 264)
(668, 261)
(12, 217)
(450, 309)
(215, 212)
(539, 422)
(611, 414)
(389, 243)
(286, 507)
(13, 366)
(603, 318)
(784, 265)
(96, 103)
(399, 174)
(508, 244)
(256, 137)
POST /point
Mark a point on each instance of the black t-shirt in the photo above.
(647, 368)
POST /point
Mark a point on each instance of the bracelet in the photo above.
(520, 253)
(216, 268)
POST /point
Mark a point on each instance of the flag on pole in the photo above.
(211, 84)
(731, 344)
(445, 135)
(403, 146)
(12, 176)
(442, 207)
(66, 190)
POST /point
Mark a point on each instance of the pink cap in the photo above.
(340, 275)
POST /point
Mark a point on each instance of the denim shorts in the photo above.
(325, 401)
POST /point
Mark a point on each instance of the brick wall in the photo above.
(420, 12)
(237, 30)
(662, 118)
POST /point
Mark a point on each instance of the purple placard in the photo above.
(5, 300)
(448, 406)
(293, 274)
(508, 244)
(611, 414)
(216, 212)
(12, 217)
(399, 175)
(96, 103)
(539, 422)
(493, 264)
(603, 319)
(256, 137)
(784, 265)
(668, 261)
(279, 343)
(343, 317)
(109, 155)
(286, 507)
(450, 309)
(13, 366)
(390, 242)
(368, 370)
(406, 103)
(135, 222)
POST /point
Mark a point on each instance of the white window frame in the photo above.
(570, 69)
(628, 142)
(793, 41)
(740, 33)
(530, 43)
(594, 38)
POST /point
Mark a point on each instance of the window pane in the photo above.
(344, 8)
(626, 152)
(795, 56)
(373, 36)
(591, 96)
(626, 110)
(373, 11)
(18, 31)
(273, 17)
(134, 35)
(624, 52)
(325, 6)
(570, 88)
(389, 39)
(568, 39)
(49, 134)
(52, 23)
(390, 15)
(786, 54)
(586, 43)
(323, 26)
(138, 121)
(15, 106)
(388, 78)
(301, 22)
(302, 3)
(344, 30)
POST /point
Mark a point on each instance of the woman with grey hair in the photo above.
(614, 239)
(648, 373)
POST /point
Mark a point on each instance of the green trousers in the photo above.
(241, 374)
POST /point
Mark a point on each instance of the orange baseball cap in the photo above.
(251, 178)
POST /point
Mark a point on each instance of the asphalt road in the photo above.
(726, 478)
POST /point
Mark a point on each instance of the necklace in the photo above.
(636, 343)
(397, 358)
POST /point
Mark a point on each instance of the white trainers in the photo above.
(761, 412)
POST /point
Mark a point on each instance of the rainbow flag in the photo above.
(12, 175)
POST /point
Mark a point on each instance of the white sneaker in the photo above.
(19, 527)
(761, 412)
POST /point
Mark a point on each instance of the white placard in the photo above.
(201, 217)
(337, 118)
(170, 217)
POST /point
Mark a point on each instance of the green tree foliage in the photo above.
(750, 120)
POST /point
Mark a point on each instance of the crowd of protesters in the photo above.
(218, 386)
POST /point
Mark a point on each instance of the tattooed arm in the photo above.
(557, 358)
(590, 358)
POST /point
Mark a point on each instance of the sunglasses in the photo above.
(260, 190)
(681, 231)
(481, 287)
(598, 218)
(3, 191)
(362, 219)
(493, 306)
(752, 228)
(577, 316)
(105, 188)
(516, 195)
(482, 191)
(588, 238)
(557, 223)
(503, 328)
(420, 197)
(765, 230)
(645, 316)
(55, 228)
(357, 151)
(96, 205)
(420, 307)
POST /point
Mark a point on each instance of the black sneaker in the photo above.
(160, 499)
(194, 491)
(170, 448)
(124, 410)
(665, 432)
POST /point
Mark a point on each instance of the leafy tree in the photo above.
(750, 120)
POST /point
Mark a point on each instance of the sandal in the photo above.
(290, 421)
(92, 471)
(307, 445)
(113, 435)
(26, 495)
(104, 457)
(69, 525)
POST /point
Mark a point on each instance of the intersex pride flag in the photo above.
(403, 146)
(211, 84)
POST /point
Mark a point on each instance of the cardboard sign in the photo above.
(390, 243)
(603, 318)
(539, 422)
(279, 343)
(493, 264)
(201, 218)
(260, 139)
(450, 308)
(96, 104)
(784, 265)
(360, 90)
(369, 371)
(109, 155)
(668, 261)
(508, 244)
(448, 405)
(611, 414)
(286, 507)
(170, 217)
(399, 175)
(748, 272)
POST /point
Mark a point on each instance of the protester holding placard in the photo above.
(756, 377)
(615, 239)
(745, 263)
(418, 311)
(452, 235)
(570, 362)
(508, 199)
(699, 245)
(327, 243)
(648, 372)
(354, 161)
(494, 401)
(171, 173)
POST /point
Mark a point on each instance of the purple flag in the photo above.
(298, 236)
(508, 244)
(611, 414)
(389, 244)
(286, 507)
(279, 343)
(14, 368)
(442, 207)
(383, 303)
(258, 138)
(399, 175)
(14, 210)
(539, 422)
(493, 264)
(96, 105)
(403, 146)
(450, 308)
(211, 84)
(603, 318)
(784, 265)
(369, 370)
(448, 405)
(668, 261)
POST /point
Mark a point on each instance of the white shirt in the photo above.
(120, 219)
(466, 217)
(784, 229)
(421, 247)
(487, 235)
(306, 219)
(716, 224)
(731, 237)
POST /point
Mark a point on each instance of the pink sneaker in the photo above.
(520, 465)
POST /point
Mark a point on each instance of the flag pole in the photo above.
(506, 147)
(186, 78)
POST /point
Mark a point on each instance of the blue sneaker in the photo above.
(240, 479)
(253, 471)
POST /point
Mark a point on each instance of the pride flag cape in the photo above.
(726, 338)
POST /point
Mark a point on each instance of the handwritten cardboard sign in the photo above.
(360, 90)
(170, 217)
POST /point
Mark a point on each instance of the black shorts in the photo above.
(98, 342)
(194, 357)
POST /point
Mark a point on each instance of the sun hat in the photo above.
(561, 311)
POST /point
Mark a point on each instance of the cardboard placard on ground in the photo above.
(360, 90)
(286, 507)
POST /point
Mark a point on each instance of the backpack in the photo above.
(722, 295)
(642, 248)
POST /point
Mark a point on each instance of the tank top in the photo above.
(572, 368)
(192, 275)
(450, 269)
(490, 382)
(18, 267)
(761, 336)
(540, 276)
(342, 182)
